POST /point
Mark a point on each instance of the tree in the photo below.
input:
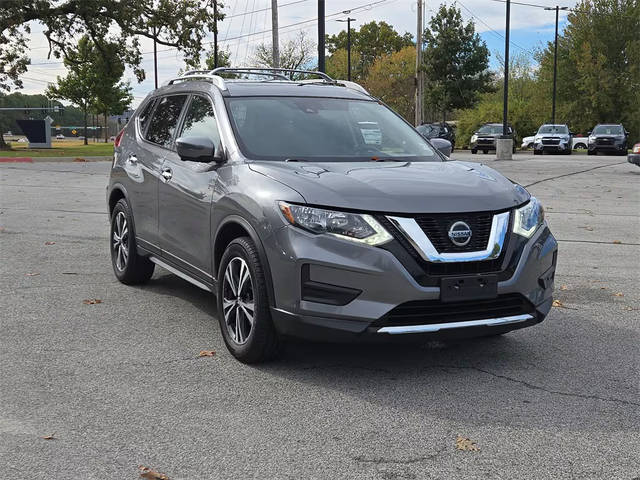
(456, 62)
(296, 53)
(78, 86)
(372, 41)
(224, 59)
(598, 66)
(391, 79)
(173, 23)
(337, 65)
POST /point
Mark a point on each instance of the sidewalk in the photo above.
(104, 158)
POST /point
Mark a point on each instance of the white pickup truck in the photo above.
(576, 142)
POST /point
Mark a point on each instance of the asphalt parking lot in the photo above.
(118, 383)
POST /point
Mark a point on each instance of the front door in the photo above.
(185, 196)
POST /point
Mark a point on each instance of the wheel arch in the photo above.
(117, 193)
(235, 226)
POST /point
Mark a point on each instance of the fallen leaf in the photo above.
(603, 288)
(49, 243)
(618, 294)
(465, 444)
(587, 227)
(617, 242)
(32, 274)
(557, 303)
(79, 159)
(92, 301)
(206, 353)
(49, 437)
(146, 472)
(69, 273)
(564, 287)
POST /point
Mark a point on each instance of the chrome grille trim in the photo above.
(487, 322)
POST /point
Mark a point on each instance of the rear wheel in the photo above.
(129, 267)
(243, 305)
(474, 151)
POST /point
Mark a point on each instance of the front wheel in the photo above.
(129, 267)
(243, 305)
(473, 151)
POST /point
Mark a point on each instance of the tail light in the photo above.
(116, 142)
(636, 148)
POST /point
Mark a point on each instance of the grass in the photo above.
(63, 148)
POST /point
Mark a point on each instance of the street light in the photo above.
(555, 61)
(348, 20)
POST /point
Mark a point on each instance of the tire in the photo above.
(580, 146)
(530, 145)
(537, 152)
(591, 152)
(485, 151)
(567, 151)
(250, 341)
(474, 151)
(129, 267)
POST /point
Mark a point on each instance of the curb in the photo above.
(55, 159)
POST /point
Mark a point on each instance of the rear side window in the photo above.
(145, 115)
(200, 120)
(165, 120)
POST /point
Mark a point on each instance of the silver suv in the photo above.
(311, 209)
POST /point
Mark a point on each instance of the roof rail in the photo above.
(280, 73)
(199, 75)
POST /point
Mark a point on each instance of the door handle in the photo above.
(132, 159)
(167, 174)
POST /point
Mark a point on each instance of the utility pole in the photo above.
(555, 62)
(215, 33)
(275, 45)
(504, 144)
(321, 62)
(418, 78)
(348, 20)
(155, 58)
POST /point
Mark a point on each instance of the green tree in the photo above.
(372, 41)
(172, 23)
(598, 66)
(337, 65)
(456, 62)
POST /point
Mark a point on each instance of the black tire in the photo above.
(262, 342)
(567, 151)
(474, 151)
(537, 152)
(591, 152)
(131, 269)
(485, 151)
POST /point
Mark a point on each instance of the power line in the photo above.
(526, 4)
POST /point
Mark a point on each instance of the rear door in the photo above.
(185, 196)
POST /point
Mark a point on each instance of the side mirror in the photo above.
(443, 146)
(626, 132)
(589, 132)
(199, 149)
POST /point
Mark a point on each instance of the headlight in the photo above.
(351, 226)
(528, 218)
(474, 137)
(537, 138)
(592, 139)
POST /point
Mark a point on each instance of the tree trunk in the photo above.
(85, 127)
(106, 127)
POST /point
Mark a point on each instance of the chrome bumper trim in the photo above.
(419, 240)
(487, 322)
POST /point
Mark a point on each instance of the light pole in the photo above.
(555, 62)
(348, 20)
(321, 59)
(504, 144)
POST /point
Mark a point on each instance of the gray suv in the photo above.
(312, 210)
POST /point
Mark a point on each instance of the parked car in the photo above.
(527, 142)
(634, 156)
(313, 210)
(485, 137)
(438, 130)
(59, 136)
(554, 138)
(610, 138)
(579, 142)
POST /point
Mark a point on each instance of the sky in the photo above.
(248, 23)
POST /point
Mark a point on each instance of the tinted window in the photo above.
(145, 115)
(492, 129)
(554, 129)
(165, 119)
(323, 129)
(200, 120)
(608, 130)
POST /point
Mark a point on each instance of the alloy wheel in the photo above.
(121, 241)
(238, 304)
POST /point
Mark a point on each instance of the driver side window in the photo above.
(200, 120)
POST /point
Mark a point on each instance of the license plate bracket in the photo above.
(469, 287)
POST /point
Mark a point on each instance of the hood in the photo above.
(394, 187)
(553, 135)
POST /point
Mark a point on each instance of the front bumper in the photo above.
(561, 147)
(375, 282)
(483, 144)
(634, 158)
(608, 147)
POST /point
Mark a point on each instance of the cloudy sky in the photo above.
(248, 24)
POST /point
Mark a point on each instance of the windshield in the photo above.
(608, 130)
(563, 129)
(323, 130)
(492, 129)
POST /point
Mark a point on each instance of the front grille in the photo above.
(437, 226)
(551, 141)
(604, 141)
(427, 312)
(485, 141)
